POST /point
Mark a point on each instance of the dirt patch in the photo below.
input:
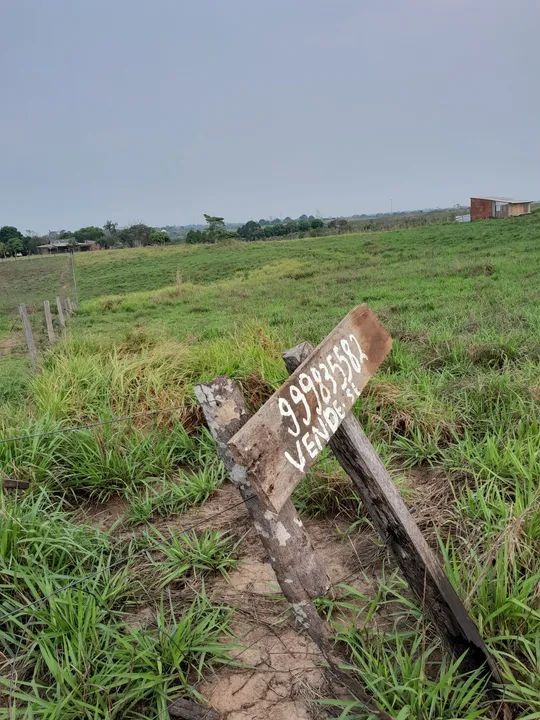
(7, 345)
(280, 678)
(277, 673)
(104, 515)
(281, 673)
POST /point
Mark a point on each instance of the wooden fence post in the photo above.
(282, 534)
(29, 337)
(67, 307)
(288, 546)
(49, 322)
(392, 519)
(191, 710)
(60, 311)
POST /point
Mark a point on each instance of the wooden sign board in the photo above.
(281, 442)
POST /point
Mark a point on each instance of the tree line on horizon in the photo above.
(13, 242)
(217, 230)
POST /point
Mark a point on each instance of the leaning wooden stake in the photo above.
(60, 311)
(191, 710)
(297, 569)
(8, 483)
(49, 322)
(29, 337)
(398, 529)
(282, 534)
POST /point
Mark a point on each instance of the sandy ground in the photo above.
(278, 673)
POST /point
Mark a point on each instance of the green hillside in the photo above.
(453, 412)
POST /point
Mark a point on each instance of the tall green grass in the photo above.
(68, 651)
(459, 393)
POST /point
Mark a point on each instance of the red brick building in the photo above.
(498, 207)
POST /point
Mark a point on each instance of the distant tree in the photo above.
(110, 234)
(316, 224)
(3, 249)
(65, 234)
(196, 236)
(30, 244)
(9, 231)
(214, 232)
(14, 246)
(339, 224)
(88, 234)
(158, 237)
(135, 235)
(251, 231)
(216, 229)
(110, 227)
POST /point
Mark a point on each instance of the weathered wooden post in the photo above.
(283, 439)
(66, 307)
(49, 322)
(289, 549)
(286, 542)
(190, 710)
(74, 276)
(60, 311)
(396, 526)
(29, 337)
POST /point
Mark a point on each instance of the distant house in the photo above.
(55, 246)
(498, 207)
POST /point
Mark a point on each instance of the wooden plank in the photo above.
(396, 526)
(282, 534)
(8, 483)
(28, 335)
(60, 312)
(191, 710)
(49, 322)
(280, 443)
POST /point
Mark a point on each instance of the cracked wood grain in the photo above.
(282, 534)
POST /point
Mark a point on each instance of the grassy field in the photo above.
(456, 402)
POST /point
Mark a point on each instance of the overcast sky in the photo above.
(160, 110)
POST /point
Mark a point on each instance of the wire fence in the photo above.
(28, 285)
